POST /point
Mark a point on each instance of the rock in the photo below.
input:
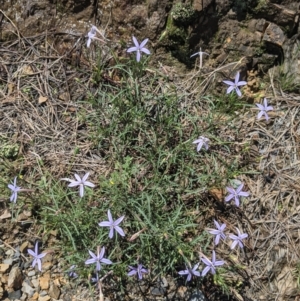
(200, 5)
(26, 288)
(14, 295)
(44, 298)
(1, 291)
(3, 278)
(157, 291)
(4, 267)
(44, 282)
(197, 296)
(46, 266)
(291, 64)
(54, 291)
(15, 278)
(43, 293)
(36, 284)
(23, 297)
(274, 35)
(24, 246)
(31, 273)
(35, 296)
(164, 282)
(8, 261)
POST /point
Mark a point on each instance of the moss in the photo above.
(9, 151)
(183, 14)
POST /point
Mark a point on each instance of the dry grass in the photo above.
(43, 78)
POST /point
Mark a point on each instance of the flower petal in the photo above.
(238, 91)
(120, 230)
(136, 43)
(106, 261)
(205, 271)
(131, 49)
(89, 184)
(229, 82)
(144, 43)
(138, 56)
(145, 50)
(85, 177)
(229, 89)
(105, 224)
(81, 190)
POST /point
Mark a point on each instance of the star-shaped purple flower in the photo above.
(200, 142)
(139, 48)
(80, 182)
(200, 53)
(98, 258)
(235, 85)
(114, 225)
(15, 189)
(92, 36)
(37, 257)
(236, 194)
(190, 272)
(264, 109)
(139, 271)
(211, 265)
(219, 232)
(237, 239)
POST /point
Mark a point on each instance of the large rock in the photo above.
(291, 64)
(15, 278)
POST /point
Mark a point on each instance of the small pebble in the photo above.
(31, 273)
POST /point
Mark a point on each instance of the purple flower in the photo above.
(264, 109)
(200, 56)
(92, 35)
(15, 189)
(200, 142)
(238, 239)
(80, 182)
(219, 232)
(235, 85)
(190, 272)
(97, 259)
(139, 270)
(113, 225)
(236, 194)
(211, 265)
(95, 279)
(72, 273)
(139, 48)
(37, 257)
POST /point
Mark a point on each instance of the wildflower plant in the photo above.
(200, 53)
(98, 259)
(154, 174)
(264, 109)
(113, 225)
(211, 264)
(236, 194)
(201, 141)
(14, 190)
(238, 239)
(139, 48)
(140, 270)
(218, 232)
(190, 272)
(81, 182)
(36, 257)
(92, 36)
(235, 85)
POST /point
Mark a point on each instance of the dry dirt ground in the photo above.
(40, 95)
